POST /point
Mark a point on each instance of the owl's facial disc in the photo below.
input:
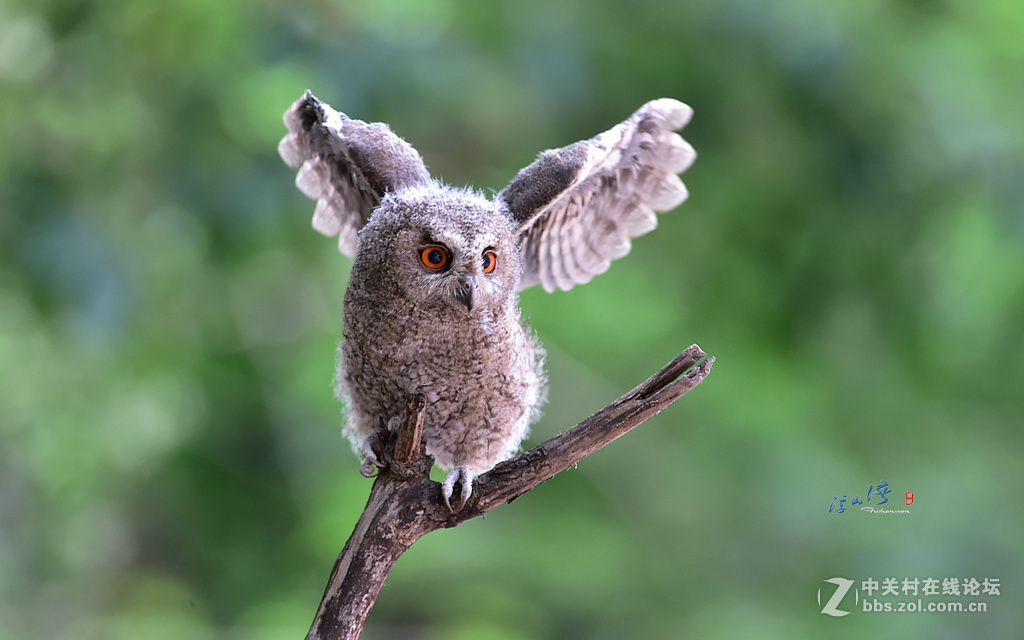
(460, 279)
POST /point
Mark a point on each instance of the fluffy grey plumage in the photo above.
(432, 304)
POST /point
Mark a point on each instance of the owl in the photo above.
(432, 305)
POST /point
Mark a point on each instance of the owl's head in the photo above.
(444, 249)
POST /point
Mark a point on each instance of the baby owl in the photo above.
(432, 305)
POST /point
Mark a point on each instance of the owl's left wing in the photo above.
(346, 165)
(577, 207)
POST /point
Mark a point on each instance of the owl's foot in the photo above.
(372, 442)
(463, 475)
(370, 462)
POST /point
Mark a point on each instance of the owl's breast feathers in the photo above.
(481, 375)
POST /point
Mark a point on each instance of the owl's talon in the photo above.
(368, 469)
(370, 461)
(465, 476)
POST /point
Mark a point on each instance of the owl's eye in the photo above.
(434, 257)
(490, 261)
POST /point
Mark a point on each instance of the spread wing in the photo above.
(346, 165)
(578, 206)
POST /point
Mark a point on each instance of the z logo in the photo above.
(842, 586)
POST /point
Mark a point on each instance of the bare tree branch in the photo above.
(405, 504)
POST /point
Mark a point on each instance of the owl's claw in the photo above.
(465, 476)
(370, 462)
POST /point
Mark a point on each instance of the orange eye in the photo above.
(434, 257)
(490, 261)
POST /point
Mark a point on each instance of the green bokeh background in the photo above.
(171, 464)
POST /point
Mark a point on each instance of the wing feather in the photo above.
(578, 207)
(346, 165)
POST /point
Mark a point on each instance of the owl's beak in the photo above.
(464, 291)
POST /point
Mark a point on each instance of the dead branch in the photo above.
(405, 503)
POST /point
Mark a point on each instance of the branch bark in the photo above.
(405, 504)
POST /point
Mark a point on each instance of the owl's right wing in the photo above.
(346, 165)
(577, 207)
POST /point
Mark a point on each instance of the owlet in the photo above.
(432, 302)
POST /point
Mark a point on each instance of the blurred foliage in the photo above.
(171, 464)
